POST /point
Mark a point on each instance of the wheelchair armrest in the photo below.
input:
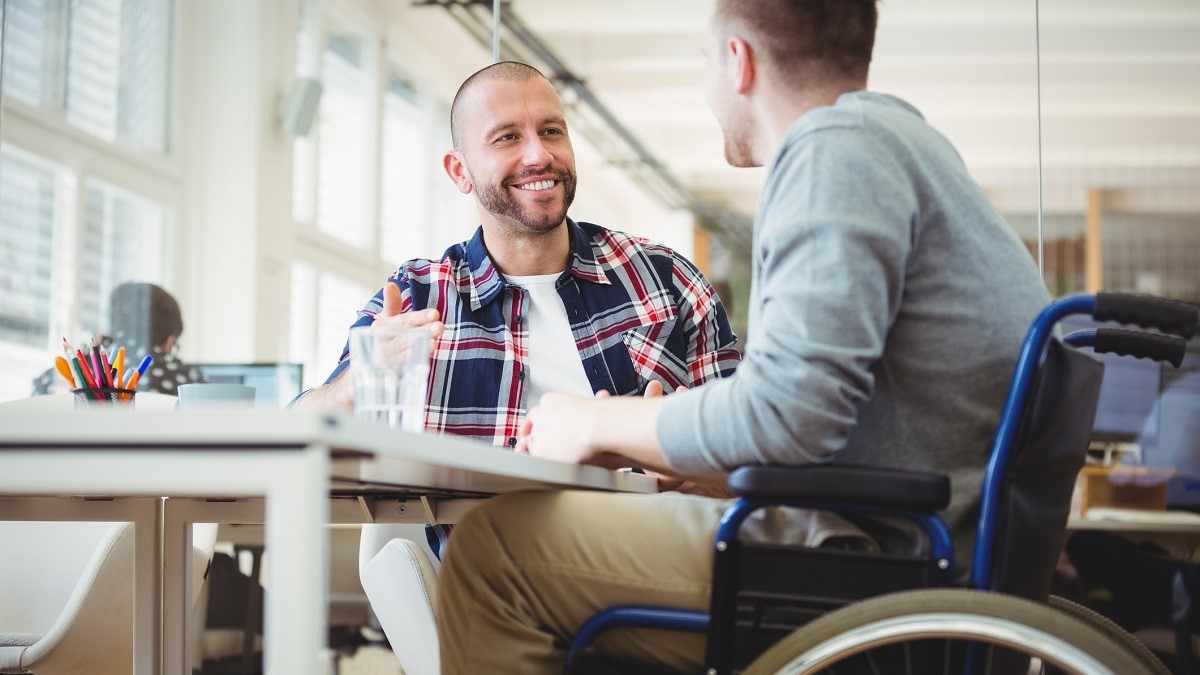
(843, 485)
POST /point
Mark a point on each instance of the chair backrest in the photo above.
(1039, 479)
(401, 582)
(91, 630)
(41, 568)
(66, 595)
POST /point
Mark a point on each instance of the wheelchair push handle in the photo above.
(1154, 346)
(1146, 311)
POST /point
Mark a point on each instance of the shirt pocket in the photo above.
(657, 353)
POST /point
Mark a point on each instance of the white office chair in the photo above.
(66, 596)
(399, 577)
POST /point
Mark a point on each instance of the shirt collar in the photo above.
(487, 283)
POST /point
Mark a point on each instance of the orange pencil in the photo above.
(64, 369)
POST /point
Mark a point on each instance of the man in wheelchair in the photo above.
(888, 305)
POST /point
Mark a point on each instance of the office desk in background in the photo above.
(274, 467)
(1177, 532)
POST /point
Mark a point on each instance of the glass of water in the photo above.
(390, 369)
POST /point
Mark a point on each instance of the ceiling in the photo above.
(1119, 90)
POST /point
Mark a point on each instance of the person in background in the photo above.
(144, 319)
(888, 304)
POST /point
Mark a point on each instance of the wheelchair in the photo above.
(778, 609)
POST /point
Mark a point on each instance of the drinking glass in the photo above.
(390, 369)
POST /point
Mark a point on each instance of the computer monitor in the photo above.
(275, 384)
(1127, 410)
(1157, 407)
(1177, 443)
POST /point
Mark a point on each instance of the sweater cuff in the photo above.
(677, 432)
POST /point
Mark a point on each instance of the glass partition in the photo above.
(1120, 122)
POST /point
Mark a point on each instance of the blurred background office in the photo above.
(270, 162)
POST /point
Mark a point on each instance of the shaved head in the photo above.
(509, 71)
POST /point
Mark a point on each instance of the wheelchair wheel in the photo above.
(1110, 629)
(943, 630)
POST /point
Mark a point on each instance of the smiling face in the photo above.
(514, 153)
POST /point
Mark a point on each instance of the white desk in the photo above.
(1177, 532)
(291, 460)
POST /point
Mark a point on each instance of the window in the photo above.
(318, 328)
(100, 65)
(30, 51)
(29, 196)
(75, 69)
(50, 287)
(124, 239)
(344, 156)
(405, 166)
(362, 195)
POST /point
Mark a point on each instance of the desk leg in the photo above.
(296, 541)
(177, 596)
(147, 584)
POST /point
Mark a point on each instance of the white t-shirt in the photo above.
(553, 364)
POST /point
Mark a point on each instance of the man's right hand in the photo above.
(339, 394)
(393, 314)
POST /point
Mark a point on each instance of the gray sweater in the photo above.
(889, 301)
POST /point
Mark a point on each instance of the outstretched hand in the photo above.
(393, 313)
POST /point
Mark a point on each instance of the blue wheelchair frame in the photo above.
(1126, 309)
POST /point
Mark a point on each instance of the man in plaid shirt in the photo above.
(536, 302)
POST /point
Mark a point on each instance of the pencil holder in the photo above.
(104, 397)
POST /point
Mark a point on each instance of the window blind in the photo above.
(344, 137)
(101, 64)
(27, 213)
(405, 167)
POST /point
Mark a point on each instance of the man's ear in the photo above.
(456, 169)
(741, 60)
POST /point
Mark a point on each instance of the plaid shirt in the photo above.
(638, 312)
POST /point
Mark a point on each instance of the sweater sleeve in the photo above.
(834, 232)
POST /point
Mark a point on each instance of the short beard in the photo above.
(737, 153)
(737, 131)
(497, 201)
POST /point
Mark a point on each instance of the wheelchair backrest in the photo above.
(1039, 479)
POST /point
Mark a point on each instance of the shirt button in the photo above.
(512, 440)
(520, 319)
(521, 375)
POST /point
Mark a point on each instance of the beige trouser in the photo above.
(524, 570)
